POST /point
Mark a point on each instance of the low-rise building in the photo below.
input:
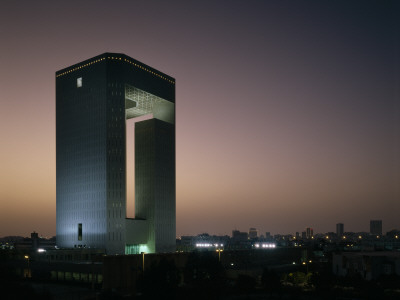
(368, 265)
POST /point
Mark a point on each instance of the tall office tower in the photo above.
(375, 227)
(94, 99)
(339, 229)
(309, 232)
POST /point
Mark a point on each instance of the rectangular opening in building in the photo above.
(80, 232)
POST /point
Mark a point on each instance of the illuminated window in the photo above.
(79, 82)
(80, 232)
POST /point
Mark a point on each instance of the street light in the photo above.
(306, 264)
(219, 254)
(29, 269)
(143, 261)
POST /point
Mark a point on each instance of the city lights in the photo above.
(208, 245)
(265, 245)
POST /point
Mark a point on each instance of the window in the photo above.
(80, 232)
(79, 82)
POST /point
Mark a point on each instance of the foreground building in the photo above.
(94, 99)
(367, 265)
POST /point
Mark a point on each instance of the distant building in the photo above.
(339, 229)
(268, 235)
(35, 243)
(309, 233)
(303, 235)
(297, 235)
(238, 236)
(253, 233)
(375, 227)
(393, 234)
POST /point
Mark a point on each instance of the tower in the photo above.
(94, 99)
(309, 233)
(339, 229)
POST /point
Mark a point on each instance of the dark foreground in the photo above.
(206, 278)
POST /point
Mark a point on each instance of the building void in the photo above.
(94, 99)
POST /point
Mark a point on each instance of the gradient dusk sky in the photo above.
(288, 112)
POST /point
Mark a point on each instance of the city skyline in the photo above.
(288, 112)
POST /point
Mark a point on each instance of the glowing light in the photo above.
(41, 250)
(203, 245)
(265, 245)
(208, 245)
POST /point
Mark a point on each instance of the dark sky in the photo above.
(288, 112)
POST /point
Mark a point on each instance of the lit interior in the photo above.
(139, 103)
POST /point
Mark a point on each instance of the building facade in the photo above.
(253, 233)
(309, 233)
(339, 229)
(94, 99)
(366, 265)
